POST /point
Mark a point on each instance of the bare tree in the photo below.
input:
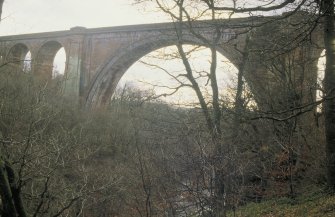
(183, 16)
(46, 162)
(293, 102)
(327, 10)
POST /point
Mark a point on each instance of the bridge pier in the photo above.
(73, 69)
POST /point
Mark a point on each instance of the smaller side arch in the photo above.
(44, 60)
(16, 55)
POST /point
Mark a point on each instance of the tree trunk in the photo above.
(16, 191)
(329, 40)
(6, 193)
(1, 4)
(10, 192)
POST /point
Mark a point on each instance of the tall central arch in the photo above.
(110, 73)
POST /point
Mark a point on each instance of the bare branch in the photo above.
(262, 8)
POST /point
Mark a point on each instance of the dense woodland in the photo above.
(140, 156)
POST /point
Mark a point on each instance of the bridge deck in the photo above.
(227, 23)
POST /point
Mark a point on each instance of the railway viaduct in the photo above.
(97, 58)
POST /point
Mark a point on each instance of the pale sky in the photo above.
(29, 16)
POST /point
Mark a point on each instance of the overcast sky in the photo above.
(28, 16)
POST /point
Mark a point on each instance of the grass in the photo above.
(312, 204)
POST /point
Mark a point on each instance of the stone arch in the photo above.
(43, 63)
(109, 74)
(16, 55)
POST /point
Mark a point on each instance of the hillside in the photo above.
(315, 203)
